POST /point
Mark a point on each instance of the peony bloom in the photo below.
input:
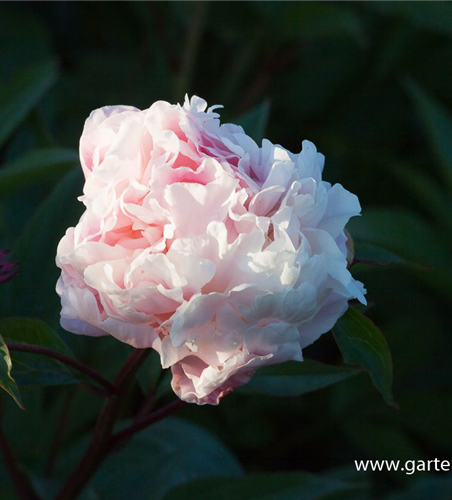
(222, 255)
(7, 269)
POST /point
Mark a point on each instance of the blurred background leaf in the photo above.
(34, 167)
(33, 294)
(255, 121)
(269, 487)
(21, 94)
(426, 16)
(167, 454)
(438, 125)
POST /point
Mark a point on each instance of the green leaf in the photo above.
(332, 65)
(408, 236)
(32, 293)
(32, 331)
(167, 454)
(35, 166)
(362, 343)
(428, 425)
(382, 441)
(21, 96)
(434, 487)
(24, 40)
(432, 16)
(395, 45)
(294, 378)
(31, 369)
(34, 369)
(438, 279)
(374, 254)
(276, 486)
(438, 125)
(7, 383)
(6, 485)
(427, 193)
(400, 232)
(255, 121)
(309, 20)
(49, 488)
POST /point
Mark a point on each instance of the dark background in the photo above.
(370, 84)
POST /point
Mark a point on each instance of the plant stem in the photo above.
(60, 430)
(99, 446)
(21, 484)
(147, 406)
(74, 363)
(143, 422)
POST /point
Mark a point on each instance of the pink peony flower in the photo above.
(222, 255)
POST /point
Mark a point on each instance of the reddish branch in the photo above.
(103, 441)
(100, 443)
(67, 360)
(143, 422)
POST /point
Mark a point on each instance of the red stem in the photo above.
(81, 367)
(99, 446)
(143, 422)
